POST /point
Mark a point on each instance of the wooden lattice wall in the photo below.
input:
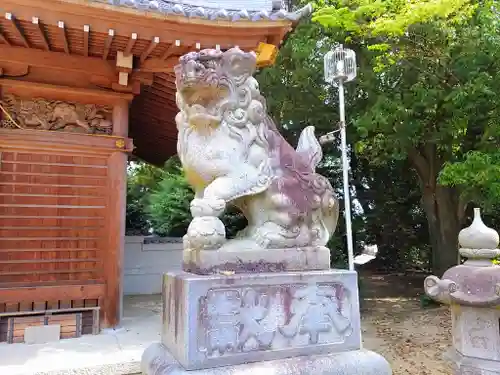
(62, 215)
(52, 222)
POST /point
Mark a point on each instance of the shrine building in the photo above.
(83, 85)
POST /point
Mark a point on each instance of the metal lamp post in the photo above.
(340, 67)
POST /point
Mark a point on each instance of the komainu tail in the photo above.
(325, 219)
(309, 147)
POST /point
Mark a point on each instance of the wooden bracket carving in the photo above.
(266, 54)
(43, 114)
(124, 65)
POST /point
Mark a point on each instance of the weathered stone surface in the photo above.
(476, 332)
(464, 365)
(478, 235)
(245, 260)
(220, 320)
(42, 334)
(158, 361)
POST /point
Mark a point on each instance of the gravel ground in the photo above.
(394, 325)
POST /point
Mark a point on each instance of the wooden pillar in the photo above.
(117, 187)
(120, 118)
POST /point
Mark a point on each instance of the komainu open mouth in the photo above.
(201, 94)
(198, 80)
(201, 103)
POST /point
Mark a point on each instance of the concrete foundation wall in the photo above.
(146, 259)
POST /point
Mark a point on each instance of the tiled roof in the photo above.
(209, 13)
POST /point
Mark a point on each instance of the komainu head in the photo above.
(215, 86)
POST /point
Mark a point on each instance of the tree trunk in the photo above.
(441, 208)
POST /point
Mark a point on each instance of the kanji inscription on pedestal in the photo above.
(267, 315)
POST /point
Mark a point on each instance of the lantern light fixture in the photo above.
(340, 67)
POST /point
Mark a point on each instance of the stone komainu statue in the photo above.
(232, 153)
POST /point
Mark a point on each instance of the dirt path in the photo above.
(412, 339)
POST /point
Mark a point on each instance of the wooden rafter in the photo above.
(86, 35)
(166, 95)
(155, 65)
(151, 47)
(107, 43)
(62, 32)
(159, 104)
(144, 78)
(160, 108)
(17, 29)
(41, 33)
(130, 44)
(4, 39)
(164, 115)
(166, 80)
(57, 61)
(160, 96)
(55, 92)
(171, 49)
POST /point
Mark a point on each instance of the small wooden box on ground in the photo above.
(72, 324)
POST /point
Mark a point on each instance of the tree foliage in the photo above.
(423, 105)
(158, 201)
(387, 199)
(169, 202)
(136, 221)
(478, 176)
(141, 179)
(425, 93)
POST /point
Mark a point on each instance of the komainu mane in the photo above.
(233, 154)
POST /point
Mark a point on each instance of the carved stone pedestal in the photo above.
(158, 361)
(245, 256)
(302, 317)
(466, 365)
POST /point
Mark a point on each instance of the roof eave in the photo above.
(199, 15)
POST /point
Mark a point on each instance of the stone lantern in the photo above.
(473, 292)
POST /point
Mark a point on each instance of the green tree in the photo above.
(141, 179)
(478, 177)
(425, 93)
(169, 202)
(136, 220)
(387, 199)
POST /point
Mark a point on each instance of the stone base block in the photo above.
(156, 360)
(243, 257)
(220, 320)
(463, 365)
